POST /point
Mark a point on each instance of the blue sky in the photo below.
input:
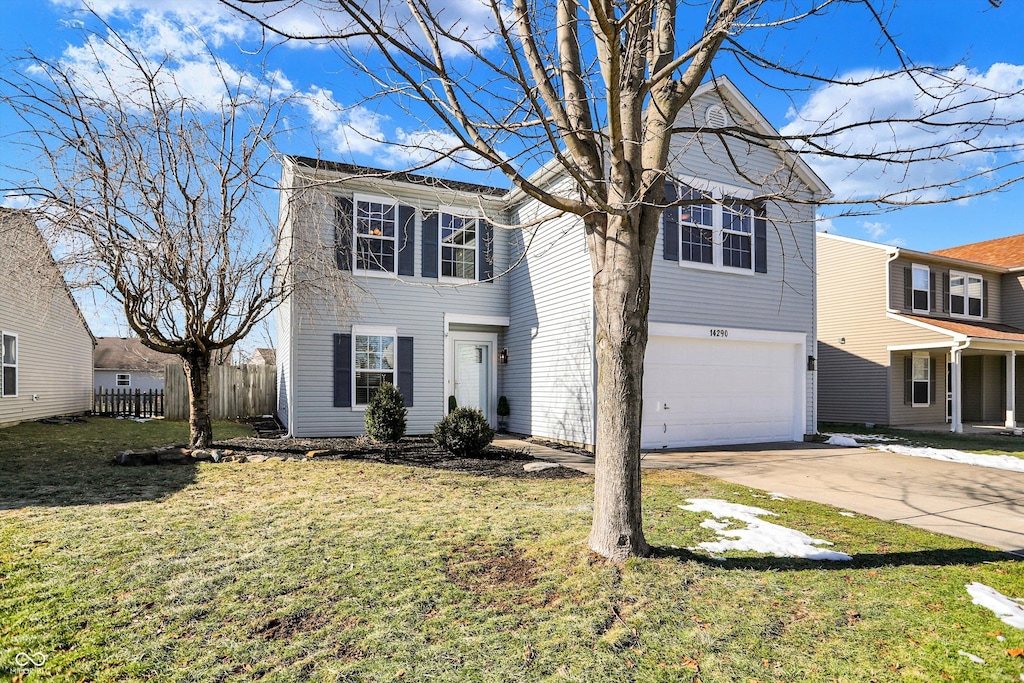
(947, 33)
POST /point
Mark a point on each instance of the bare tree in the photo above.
(595, 90)
(159, 197)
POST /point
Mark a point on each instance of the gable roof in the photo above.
(265, 356)
(1004, 252)
(119, 353)
(432, 182)
(979, 330)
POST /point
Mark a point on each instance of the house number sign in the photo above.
(716, 332)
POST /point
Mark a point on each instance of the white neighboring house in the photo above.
(46, 343)
(732, 317)
(125, 363)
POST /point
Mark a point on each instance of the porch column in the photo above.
(956, 424)
(1011, 393)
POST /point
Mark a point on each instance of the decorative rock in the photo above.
(540, 466)
(314, 454)
(277, 458)
(201, 454)
(124, 458)
(256, 458)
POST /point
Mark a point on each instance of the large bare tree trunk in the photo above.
(197, 372)
(622, 299)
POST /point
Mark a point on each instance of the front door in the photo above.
(473, 375)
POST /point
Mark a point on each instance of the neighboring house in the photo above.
(46, 352)
(122, 363)
(125, 363)
(732, 317)
(914, 338)
(263, 357)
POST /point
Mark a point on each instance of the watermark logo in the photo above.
(36, 659)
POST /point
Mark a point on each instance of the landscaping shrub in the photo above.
(385, 415)
(463, 432)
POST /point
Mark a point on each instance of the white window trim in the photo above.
(928, 365)
(967, 299)
(459, 212)
(17, 373)
(928, 289)
(720, 194)
(370, 331)
(376, 199)
(119, 375)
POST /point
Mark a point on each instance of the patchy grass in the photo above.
(971, 443)
(359, 571)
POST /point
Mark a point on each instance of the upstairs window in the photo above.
(697, 227)
(9, 385)
(715, 230)
(375, 230)
(921, 288)
(459, 243)
(966, 292)
(737, 227)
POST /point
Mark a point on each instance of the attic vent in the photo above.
(716, 116)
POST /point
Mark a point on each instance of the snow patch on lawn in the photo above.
(1009, 610)
(758, 535)
(974, 658)
(842, 440)
(999, 462)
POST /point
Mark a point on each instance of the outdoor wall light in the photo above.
(503, 356)
(842, 340)
(812, 363)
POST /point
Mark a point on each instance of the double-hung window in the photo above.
(124, 380)
(697, 228)
(460, 239)
(374, 364)
(9, 356)
(737, 227)
(921, 379)
(966, 292)
(375, 235)
(921, 288)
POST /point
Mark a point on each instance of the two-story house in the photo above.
(45, 344)
(914, 338)
(466, 291)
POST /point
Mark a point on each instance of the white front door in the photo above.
(473, 375)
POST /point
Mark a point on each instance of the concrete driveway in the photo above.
(979, 504)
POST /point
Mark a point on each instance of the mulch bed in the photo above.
(413, 451)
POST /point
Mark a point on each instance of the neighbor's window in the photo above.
(374, 364)
(10, 365)
(697, 226)
(124, 380)
(376, 228)
(459, 240)
(921, 378)
(965, 294)
(920, 281)
(737, 228)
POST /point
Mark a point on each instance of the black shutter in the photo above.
(343, 233)
(342, 370)
(670, 225)
(931, 295)
(760, 240)
(945, 292)
(405, 370)
(406, 240)
(932, 381)
(908, 294)
(428, 265)
(908, 380)
(984, 298)
(486, 252)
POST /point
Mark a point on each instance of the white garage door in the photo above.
(700, 392)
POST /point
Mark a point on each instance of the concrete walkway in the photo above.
(979, 504)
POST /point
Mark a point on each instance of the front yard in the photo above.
(985, 444)
(351, 570)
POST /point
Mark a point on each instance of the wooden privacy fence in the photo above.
(128, 402)
(235, 391)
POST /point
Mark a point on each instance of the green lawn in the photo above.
(354, 571)
(971, 443)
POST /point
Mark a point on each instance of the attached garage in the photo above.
(710, 386)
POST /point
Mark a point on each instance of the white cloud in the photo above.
(875, 230)
(16, 201)
(957, 96)
(825, 224)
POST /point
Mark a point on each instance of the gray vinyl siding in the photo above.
(992, 312)
(781, 299)
(413, 305)
(907, 414)
(549, 379)
(1013, 299)
(854, 333)
(55, 373)
(143, 380)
